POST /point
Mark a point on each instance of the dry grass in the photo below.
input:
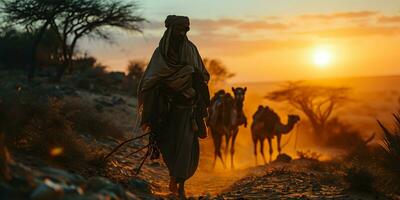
(51, 129)
(87, 120)
(308, 155)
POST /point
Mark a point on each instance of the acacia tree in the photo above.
(218, 72)
(71, 20)
(92, 18)
(316, 102)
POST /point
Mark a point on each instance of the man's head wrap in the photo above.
(174, 20)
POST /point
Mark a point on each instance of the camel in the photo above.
(266, 125)
(226, 115)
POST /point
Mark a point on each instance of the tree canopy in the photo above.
(316, 102)
(72, 20)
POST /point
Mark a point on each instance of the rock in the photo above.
(140, 186)
(284, 158)
(62, 176)
(104, 103)
(105, 187)
(117, 100)
(44, 192)
(95, 184)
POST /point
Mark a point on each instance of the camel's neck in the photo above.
(239, 105)
(285, 128)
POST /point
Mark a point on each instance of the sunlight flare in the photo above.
(322, 57)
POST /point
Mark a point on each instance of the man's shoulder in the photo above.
(192, 45)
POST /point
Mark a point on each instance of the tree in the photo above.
(92, 18)
(14, 44)
(136, 69)
(316, 102)
(71, 20)
(36, 16)
(17, 44)
(218, 72)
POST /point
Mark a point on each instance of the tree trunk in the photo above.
(36, 41)
(67, 54)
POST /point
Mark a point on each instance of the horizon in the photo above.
(319, 79)
(276, 40)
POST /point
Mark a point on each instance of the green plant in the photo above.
(391, 146)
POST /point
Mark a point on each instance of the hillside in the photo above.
(64, 132)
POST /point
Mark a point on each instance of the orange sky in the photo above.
(272, 46)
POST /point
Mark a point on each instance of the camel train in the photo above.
(226, 116)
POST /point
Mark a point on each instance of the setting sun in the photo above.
(322, 57)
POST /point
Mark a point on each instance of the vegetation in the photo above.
(50, 127)
(70, 21)
(360, 180)
(390, 156)
(219, 73)
(316, 102)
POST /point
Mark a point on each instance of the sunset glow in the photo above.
(266, 41)
(322, 58)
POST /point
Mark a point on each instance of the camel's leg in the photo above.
(217, 139)
(279, 143)
(227, 138)
(255, 141)
(234, 134)
(270, 149)
(262, 150)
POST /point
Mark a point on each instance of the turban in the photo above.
(174, 20)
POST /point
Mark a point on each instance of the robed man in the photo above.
(173, 100)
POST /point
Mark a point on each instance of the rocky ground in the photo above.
(115, 178)
(298, 179)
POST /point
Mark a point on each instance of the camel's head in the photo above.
(294, 118)
(239, 93)
(220, 94)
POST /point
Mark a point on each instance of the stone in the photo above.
(62, 176)
(284, 158)
(100, 185)
(140, 186)
(44, 192)
(117, 100)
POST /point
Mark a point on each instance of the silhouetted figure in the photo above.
(174, 97)
(226, 115)
(266, 125)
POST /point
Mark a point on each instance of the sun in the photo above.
(322, 57)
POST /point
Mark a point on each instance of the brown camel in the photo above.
(226, 115)
(266, 125)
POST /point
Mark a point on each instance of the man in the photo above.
(173, 100)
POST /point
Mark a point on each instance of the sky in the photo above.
(272, 40)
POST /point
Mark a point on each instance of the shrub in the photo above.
(308, 155)
(51, 136)
(86, 120)
(359, 180)
(391, 146)
(344, 136)
(50, 128)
